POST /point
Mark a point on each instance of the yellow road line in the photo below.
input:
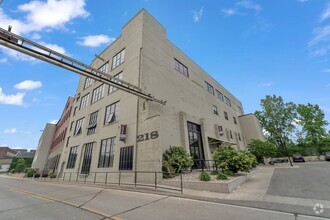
(50, 199)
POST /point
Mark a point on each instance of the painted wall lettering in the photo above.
(147, 136)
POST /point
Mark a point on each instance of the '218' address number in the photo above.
(147, 136)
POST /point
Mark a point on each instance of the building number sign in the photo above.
(147, 136)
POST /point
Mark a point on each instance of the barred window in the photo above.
(181, 68)
(98, 93)
(107, 152)
(118, 76)
(126, 158)
(72, 157)
(88, 82)
(79, 125)
(111, 113)
(92, 123)
(219, 95)
(209, 88)
(118, 59)
(86, 163)
(84, 101)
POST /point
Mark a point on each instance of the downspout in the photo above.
(137, 111)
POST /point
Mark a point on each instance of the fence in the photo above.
(119, 178)
(201, 164)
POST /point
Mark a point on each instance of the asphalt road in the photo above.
(21, 199)
(310, 180)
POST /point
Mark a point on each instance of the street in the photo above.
(21, 199)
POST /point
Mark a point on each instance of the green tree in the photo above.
(20, 166)
(261, 149)
(278, 118)
(311, 119)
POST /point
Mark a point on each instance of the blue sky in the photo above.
(253, 48)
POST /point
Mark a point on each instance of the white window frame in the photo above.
(98, 93)
(79, 126)
(84, 102)
(111, 113)
(118, 59)
(118, 76)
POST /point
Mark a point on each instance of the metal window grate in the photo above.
(126, 158)
(86, 164)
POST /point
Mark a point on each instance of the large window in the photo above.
(209, 88)
(79, 125)
(118, 59)
(92, 123)
(181, 68)
(107, 152)
(126, 158)
(86, 164)
(195, 143)
(219, 95)
(227, 101)
(111, 113)
(88, 82)
(118, 76)
(104, 68)
(98, 93)
(84, 101)
(72, 157)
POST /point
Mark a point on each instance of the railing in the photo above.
(200, 164)
(119, 178)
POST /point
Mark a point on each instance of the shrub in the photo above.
(222, 176)
(214, 172)
(52, 175)
(230, 173)
(37, 175)
(204, 176)
(30, 172)
(20, 166)
(261, 149)
(229, 159)
(174, 160)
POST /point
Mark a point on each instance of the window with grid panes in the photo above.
(92, 123)
(72, 157)
(79, 125)
(84, 101)
(118, 59)
(227, 101)
(118, 76)
(126, 158)
(111, 113)
(209, 88)
(107, 152)
(181, 68)
(87, 160)
(88, 82)
(219, 95)
(98, 93)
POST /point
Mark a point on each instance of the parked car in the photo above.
(298, 158)
(327, 155)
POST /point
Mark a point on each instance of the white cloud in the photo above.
(55, 47)
(28, 85)
(249, 5)
(263, 85)
(96, 40)
(16, 99)
(36, 36)
(229, 12)
(325, 14)
(319, 52)
(320, 35)
(3, 60)
(10, 131)
(53, 121)
(197, 15)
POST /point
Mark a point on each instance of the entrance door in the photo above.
(86, 164)
(196, 144)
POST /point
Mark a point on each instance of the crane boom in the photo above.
(31, 48)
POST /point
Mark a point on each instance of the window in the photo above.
(79, 125)
(111, 113)
(71, 126)
(77, 97)
(239, 137)
(215, 110)
(181, 68)
(67, 142)
(118, 59)
(219, 95)
(98, 93)
(75, 110)
(83, 102)
(107, 152)
(92, 123)
(209, 88)
(88, 82)
(72, 157)
(231, 134)
(126, 158)
(220, 129)
(118, 76)
(227, 101)
(104, 68)
(235, 120)
(240, 110)
(226, 115)
(86, 164)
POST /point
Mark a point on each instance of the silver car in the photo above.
(327, 155)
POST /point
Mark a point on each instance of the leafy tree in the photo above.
(229, 159)
(174, 160)
(311, 119)
(20, 166)
(261, 149)
(277, 118)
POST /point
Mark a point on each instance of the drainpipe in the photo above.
(137, 111)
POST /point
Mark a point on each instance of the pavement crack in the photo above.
(91, 198)
(140, 206)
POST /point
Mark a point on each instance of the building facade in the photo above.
(112, 130)
(6, 157)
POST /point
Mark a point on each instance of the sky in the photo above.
(253, 48)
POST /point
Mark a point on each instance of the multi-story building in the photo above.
(112, 130)
(6, 157)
